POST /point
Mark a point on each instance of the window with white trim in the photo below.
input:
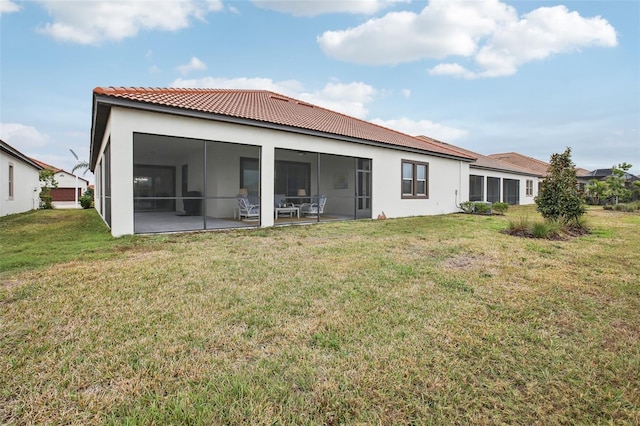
(415, 179)
(529, 188)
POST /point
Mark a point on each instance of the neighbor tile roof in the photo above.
(532, 164)
(537, 166)
(46, 166)
(263, 106)
(55, 169)
(483, 161)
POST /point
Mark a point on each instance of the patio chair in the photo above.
(247, 210)
(315, 207)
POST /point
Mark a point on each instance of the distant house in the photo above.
(539, 167)
(19, 181)
(604, 174)
(498, 181)
(193, 159)
(66, 184)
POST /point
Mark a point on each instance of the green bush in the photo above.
(467, 206)
(481, 208)
(500, 208)
(46, 199)
(86, 201)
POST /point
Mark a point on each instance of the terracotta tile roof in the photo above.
(582, 172)
(483, 161)
(537, 166)
(532, 164)
(55, 169)
(263, 106)
(45, 165)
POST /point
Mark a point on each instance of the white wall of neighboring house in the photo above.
(26, 185)
(68, 180)
(448, 178)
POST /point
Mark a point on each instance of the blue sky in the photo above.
(491, 76)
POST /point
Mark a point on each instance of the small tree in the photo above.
(597, 190)
(617, 180)
(635, 190)
(48, 181)
(559, 198)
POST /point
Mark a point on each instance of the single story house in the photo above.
(68, 184)
(192, 159)
(539, 167)
(19, 181)
(495, 181)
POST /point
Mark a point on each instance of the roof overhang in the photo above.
(18, 155)
(495, 169)
(102, 105)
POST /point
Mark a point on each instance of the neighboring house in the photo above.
(604, 174)
(66, 184)
(494, 181)
(176, 160)
(19, 181)
(539, 167)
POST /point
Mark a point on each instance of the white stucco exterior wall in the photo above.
(26, 186)
(448, 178)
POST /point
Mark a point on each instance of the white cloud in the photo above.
(423, 127)
(21, 137)
(488, 32)
(455, 70)
(7, 6)
(350, 99)
(406, 93)
(443, 28)
(193, 65)
(92, 22)
(320, 7)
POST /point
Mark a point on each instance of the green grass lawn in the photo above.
(427, 320)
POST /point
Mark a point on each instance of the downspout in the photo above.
(459, 190)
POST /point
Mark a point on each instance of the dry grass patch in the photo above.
(421, 320)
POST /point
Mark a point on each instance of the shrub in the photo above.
(481, 208)
(519, 225)
(467, 206)
(500, 208)
(625, 207)
(539, 229)
(46, 199)
(86, 201)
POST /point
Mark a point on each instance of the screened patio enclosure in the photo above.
(182, 184)
(302, 178)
